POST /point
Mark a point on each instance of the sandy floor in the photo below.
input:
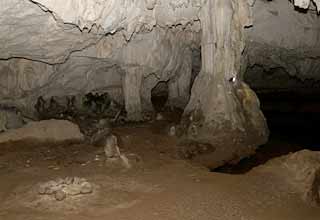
(159, 186)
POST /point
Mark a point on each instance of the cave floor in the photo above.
(158, 186)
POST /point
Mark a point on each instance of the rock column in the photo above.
(223, 111)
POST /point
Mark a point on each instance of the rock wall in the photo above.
(283, 38)
(127, 71)
(306, 3)
(70, 47)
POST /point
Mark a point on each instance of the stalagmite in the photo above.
(217, 113)
(126, 48)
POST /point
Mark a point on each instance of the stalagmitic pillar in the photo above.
(179, 86)
(131, 84)
(223, 111)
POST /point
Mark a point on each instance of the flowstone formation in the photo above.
(123, 50)
(223, 110)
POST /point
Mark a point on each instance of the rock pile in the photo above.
(60, 189)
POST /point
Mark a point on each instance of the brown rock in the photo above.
(60, 195)
(48, 130)
(86, 188)
(300, 170)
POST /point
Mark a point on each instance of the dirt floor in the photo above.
(158, 186)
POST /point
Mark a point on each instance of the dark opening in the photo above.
(292, 110)
(159, 96)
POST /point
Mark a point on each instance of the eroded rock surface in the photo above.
(222, 109)
(126, 48)
(305, 4)
(300, 170)
(50, 130)
(282, 41)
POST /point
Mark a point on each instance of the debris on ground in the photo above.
(61, 189)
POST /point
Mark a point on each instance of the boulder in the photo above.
(301, 170)
(47, 130)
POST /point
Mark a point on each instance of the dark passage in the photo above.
(159, 96)
(293, 120)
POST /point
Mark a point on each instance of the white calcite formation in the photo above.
(125, 48)
(306, 3)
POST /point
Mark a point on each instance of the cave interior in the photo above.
(106, 105)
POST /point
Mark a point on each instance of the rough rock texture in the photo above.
(109, 66)
(277, 79)
(285, 39)
(126, 48)
(69, 26)
(122, 48)
(301, 170)
(37, 35)
(51, 130)
(222, 109)
(10, 119)
(306, 3)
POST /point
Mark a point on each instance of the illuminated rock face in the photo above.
(71, 47)
(121, 47)
(223, 110)
(305, 4)
(282, 40)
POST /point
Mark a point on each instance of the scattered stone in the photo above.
(59, 181)
(192, 149)
(68, 180)
(86, 188)
(51, 183)
(103, 124)
(147, 116)
(125, 161)
(73, 190)
(111, 148)
(42, 189)
(97, 158)
(60, 195)
(27, 164)
(172, 131)
(134, 157)
(50, 190)
(159, 117)
(53, 167)
(85, 163)
(62, 188)
(197, 180)
(78, 180)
